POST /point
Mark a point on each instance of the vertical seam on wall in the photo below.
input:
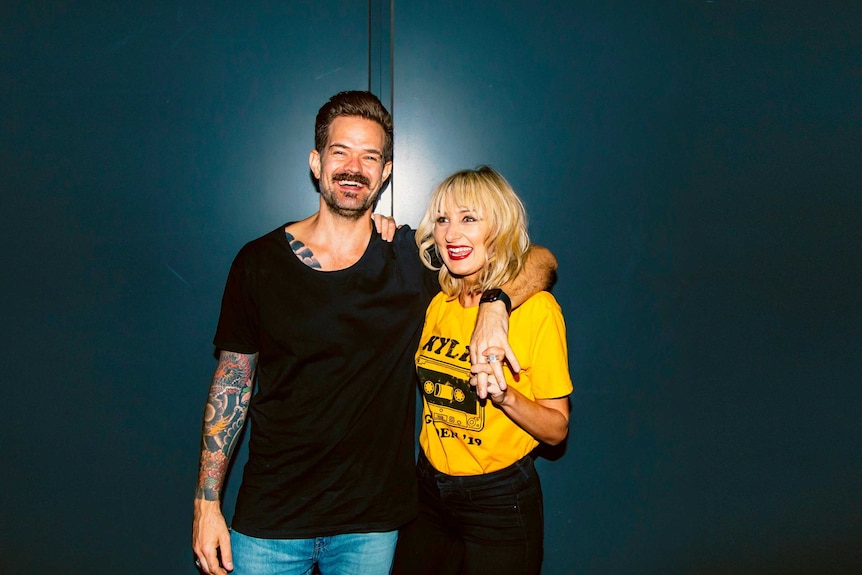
(371, 40)
(392, 96)
(381, 56)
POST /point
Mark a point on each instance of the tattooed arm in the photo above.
(224, 416)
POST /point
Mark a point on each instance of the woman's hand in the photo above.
(496, 393)
(487, 376)
(385, 226)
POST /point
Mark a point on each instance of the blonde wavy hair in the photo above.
(486, 192)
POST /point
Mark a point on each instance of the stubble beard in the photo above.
(330, 198)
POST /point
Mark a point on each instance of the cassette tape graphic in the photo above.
(450, 398)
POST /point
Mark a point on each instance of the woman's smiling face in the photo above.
(460, 235)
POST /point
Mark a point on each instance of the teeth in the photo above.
(459, 251)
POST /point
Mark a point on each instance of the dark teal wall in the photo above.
(694, 166)
(142, 145)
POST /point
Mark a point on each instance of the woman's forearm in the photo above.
(545, 419)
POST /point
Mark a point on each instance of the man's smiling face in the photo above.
(350, 169)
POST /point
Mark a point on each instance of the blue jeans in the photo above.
(347, 554)
(481, 524)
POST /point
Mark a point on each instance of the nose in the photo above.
(353, 164)
(453, 231)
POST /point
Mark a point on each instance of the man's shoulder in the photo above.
(269, 238)
(402, 241)
(262, 247)
(405, 233)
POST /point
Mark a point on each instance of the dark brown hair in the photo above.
(353, 103)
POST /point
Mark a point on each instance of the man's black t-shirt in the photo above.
(332, 418)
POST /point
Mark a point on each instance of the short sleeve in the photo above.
(238, 320)
(549, 361)
(405, 246)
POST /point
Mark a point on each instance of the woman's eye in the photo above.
(441, 220)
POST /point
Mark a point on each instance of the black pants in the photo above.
(473, 525)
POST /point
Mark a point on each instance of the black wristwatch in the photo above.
(496, 294)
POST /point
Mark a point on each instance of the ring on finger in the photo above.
(492, 358)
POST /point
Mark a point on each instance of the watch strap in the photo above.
(496, 294)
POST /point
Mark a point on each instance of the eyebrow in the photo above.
(441, 211)
(366, 150)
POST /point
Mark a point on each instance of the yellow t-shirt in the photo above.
(460, 434)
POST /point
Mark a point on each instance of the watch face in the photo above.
(490, 295)
(496, 294)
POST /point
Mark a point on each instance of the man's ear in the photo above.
(387, 170)
(314, 163)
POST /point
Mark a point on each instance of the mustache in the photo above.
(348, 177)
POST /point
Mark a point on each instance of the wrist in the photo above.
(504, 399)
(206, 505)
(496, 294)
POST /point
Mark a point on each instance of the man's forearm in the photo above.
(536, 276)
(224, 416)
(492, 320)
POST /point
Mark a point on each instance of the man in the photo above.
(326, 315)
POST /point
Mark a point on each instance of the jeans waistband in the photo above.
(524, 467)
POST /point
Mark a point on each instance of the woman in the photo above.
(479, 494)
